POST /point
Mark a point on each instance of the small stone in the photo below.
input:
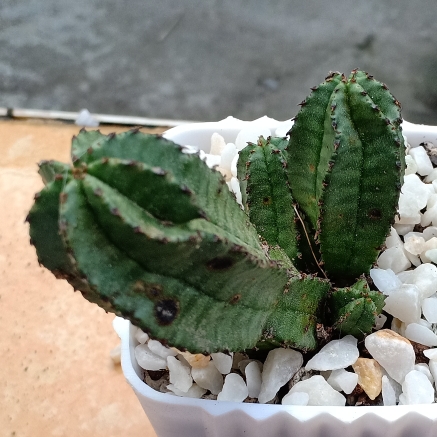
(431, 150)
(228, 155)
(414, 244)
(193, 392)
(424, 164)
(148, 360)
(159, 349)
(196, 360)
(425, 278)
(342, 380)
(431, 354)
(393, 352)
(394, 259)
(424, 368)
(253, 379)
(403, 229)
(179, 374)
(428, 253)
(390, 390)
(337, 354)
(385, 280)
(319, 392)
(420, 334)
(380, 320)
(404, 303)
(208, 377)
(218, 144)
(141, 336)
(393, 239)
(411, 165)
(369, 376)
(279, 366)
(430, 232)
(234, 389)
(296, 398)
(416, 389)
(222, 361)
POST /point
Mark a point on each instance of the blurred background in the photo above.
(206, 59)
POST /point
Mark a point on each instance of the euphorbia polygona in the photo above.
(152, 234)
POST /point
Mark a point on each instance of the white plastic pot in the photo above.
(185, 417)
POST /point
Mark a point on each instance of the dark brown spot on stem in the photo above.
(166, 311)
(220, 263)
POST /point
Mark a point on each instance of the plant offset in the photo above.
(151, 233)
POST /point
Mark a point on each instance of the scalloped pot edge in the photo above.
(172, 415)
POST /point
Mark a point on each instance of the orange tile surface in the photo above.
(56, 377)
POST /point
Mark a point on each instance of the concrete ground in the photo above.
(206, 59)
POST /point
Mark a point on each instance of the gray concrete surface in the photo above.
(206, 59)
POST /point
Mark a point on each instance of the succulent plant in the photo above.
(149, 232)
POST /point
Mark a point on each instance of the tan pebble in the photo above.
(196, 360)
(369, 376)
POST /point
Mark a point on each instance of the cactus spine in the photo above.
(151, 233)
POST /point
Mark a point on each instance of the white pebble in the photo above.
(429, 309)
(433, 369)
(425, 278)
(380, 320)
(280, 365)
(390, 390)
(343, 380)
(424, 368)
(337, 354)
(424, 165)
(141, 336)
(218, 144)
(222, 361)
(420, 334)
(404, 303)
(159, 349)
(416, 389)
(393, 352)
(179, 374)
(148, 360)
(234, 389)
(385, 280)
(235, 186)
(394, 259)
(253, 378)
(208, 377)
(403, 229)
(414, 244)
(319, 392)
(392, 239)
(429, 232)
(228, 155)
(411, 165)
(193, 392)
(431, 354)
(296, 398)
(431, 176)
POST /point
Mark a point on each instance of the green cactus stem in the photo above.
(353, 309)
(266, 194)
(345, 166)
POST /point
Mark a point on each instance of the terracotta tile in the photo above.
(57, 378)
